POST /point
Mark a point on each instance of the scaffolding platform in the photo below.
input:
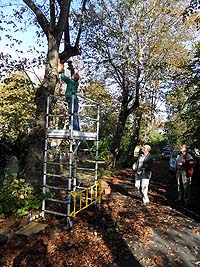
(70, 178)
(67, 134)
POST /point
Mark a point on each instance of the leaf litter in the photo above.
(119, 231)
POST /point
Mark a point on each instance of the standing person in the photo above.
(71, 89)
(184, 171)
(143, 172)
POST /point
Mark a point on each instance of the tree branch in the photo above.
(70, 50)
(62, 24)
(81, 23)
(52, 14)
(44, 23)
(66, 33)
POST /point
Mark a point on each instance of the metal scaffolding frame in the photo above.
(70, 181)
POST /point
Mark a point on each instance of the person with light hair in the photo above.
(143, 172)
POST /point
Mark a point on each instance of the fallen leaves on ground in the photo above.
(118, 232)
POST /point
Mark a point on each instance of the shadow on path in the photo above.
(164, 183)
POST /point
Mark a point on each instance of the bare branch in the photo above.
(44, 23)
(81, 23)
(52, 14)
(66, 33)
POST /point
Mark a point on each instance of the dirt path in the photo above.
(119, 232)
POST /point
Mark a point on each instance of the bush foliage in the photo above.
(19, 197)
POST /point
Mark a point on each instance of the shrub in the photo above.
(19, 197)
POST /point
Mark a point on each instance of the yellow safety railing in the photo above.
(84, 198)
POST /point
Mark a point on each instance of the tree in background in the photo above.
(17, 106)
(138, 45)
(17, 111)
(97, 91)
(193, 7)
(183, 100)
(182, 97)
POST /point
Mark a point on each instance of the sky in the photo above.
(16, 55)
(28, 38)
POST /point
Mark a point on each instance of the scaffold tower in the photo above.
(70, 180)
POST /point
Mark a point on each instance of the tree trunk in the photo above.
(135, 135)
(35, 159)
(115, 146)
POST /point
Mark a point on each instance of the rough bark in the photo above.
(135, 135)
(35, 158)
(125, 112)
(114, 149)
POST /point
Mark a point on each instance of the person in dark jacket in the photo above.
(184, 171)
(71, 89)
(143, 172)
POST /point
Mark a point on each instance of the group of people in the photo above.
(184, 170)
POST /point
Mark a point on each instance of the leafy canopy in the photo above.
(17, 105)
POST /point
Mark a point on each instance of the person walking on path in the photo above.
(184, 171)
(71, 89)
(143, 172)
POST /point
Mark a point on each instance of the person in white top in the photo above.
(143, 172)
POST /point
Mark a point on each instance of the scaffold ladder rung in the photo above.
(56, 213)
(55, 175)
(56, 187)
(57, 200)
(86, 178)
(85, 169)
(62, 115)
(57, 163)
